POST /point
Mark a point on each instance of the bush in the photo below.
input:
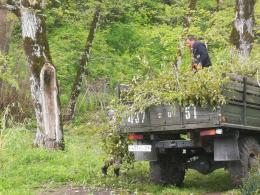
(252, 184)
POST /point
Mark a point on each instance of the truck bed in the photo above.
(242, 111)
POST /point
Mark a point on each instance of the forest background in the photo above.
(134, 39)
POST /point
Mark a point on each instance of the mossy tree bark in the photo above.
(242, 33)
(5, 31)
(44, 87)
(82, 69)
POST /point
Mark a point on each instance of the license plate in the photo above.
(139, 148)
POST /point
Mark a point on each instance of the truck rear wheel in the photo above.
(249, 150)
(167, 171)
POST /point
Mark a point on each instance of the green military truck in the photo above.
(174, 139)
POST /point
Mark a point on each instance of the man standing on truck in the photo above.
(200, 53)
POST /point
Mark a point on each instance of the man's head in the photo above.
(190, 40)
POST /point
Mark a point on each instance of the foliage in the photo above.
(114, 143)
(27, 170)
(248, 67)
(136, 43)
(184, 88)
(251, 186)
(97, 95)
(7, 120)
(6, 74)
(116, 38)
(135, 38)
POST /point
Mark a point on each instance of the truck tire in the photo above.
(156, 173)
(249, 150)
(167, 172)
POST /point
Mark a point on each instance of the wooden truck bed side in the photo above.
(170, 118)
(242, 111)
(243, 108)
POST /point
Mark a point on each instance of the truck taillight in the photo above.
(208, 132)
(211, 132)
(135, 137)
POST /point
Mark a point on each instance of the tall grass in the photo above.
(28, 170)
(25, 168)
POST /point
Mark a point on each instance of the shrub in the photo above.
(252, 184)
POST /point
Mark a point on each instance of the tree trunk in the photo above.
(82, 68)
(44, 88)
(186, 25)
(5, 31)
(53, 136)
(242, 33)
(4, 39)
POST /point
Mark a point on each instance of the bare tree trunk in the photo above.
(242, 33)
(44, 88)
(5, 31)
(186, 25)
(53, 135)
(82, 67)
(43, 80)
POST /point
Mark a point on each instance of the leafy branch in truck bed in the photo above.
(183, 87)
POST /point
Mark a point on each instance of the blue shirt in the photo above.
(200, 54)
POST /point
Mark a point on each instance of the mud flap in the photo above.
(226, 149)
(146, 156)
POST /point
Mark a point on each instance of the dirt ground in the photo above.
(83, 191)
(97, 191)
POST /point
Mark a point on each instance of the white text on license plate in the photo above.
(139, 148)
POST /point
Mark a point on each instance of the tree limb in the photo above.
(82, 69)
(10, 6)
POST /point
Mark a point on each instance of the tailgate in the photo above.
(168, 118)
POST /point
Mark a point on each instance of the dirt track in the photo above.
(83, 191)
(97, 191)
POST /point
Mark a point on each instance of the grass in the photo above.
(28, 170)
(252, 184)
